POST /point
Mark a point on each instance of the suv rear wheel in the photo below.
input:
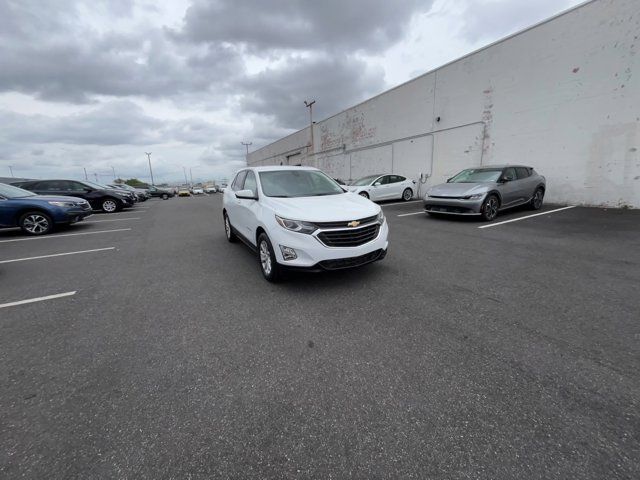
(536, 200)
(407, 194)
(267, 257)
(35, 223)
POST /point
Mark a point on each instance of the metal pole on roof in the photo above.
(309, 105)
(148, 154)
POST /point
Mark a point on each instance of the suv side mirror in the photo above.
(247, 194)
(377, 184)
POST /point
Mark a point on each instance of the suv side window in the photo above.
(52, 185)
(250, 182)
(523, 172)
(75, 186)
(384, 180)
(509, 174)
(397, 179)
(239, 181)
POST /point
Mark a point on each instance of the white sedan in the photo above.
(384, 187)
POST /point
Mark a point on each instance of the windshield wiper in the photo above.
(279, 196)
(323, 194)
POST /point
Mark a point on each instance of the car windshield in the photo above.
(9, 191)
(477, 175)
(298, 183)
(364, 181)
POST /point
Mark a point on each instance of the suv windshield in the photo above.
(298, 183)
(477, 175)
(364, 181)
(9, 191)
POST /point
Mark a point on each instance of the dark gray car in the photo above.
(486, 190)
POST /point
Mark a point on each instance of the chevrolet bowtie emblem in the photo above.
(355, 223)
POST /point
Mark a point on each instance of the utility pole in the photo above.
(114, 173)
(96, 175)
(191, 176)
(247, 145)
(309, 105)
(185, 175)
(148, 154)
(86, 177)
(11, 170)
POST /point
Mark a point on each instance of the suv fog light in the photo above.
(288, 253)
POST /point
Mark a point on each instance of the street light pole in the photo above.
(86, 177)
(148, 154)
(11, 170)
(247, 145)
(309, 105)
(114, 173)
(185, 175)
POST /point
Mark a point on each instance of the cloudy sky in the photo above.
(97, 83)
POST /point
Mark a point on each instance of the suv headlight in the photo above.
(296, 225)
(381, 217)
(61, 203)
(476, 196)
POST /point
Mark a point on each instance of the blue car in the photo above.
(38, 214)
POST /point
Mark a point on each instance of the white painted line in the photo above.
(412, 213)
(64, 235)
(112, 220)
(39, 299)
(57, 255)
(528, 216)
(400, 203)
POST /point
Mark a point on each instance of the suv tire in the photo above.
(490, 208)
(364, 194)
(35, 223)
(110, 205)
(228, 230)
(536, 200)
(164, 196)
(269, 266)
(407, 194)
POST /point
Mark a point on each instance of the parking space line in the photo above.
(528, 216)
(57, 255)
(38, 299)
(400, 203)
(65, 235)
(412, 213)
(112, 220)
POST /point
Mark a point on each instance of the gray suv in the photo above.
(486, 190)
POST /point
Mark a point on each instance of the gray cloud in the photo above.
(498, 18)
(330, 25)
(334, 82)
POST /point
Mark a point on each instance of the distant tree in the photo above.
(134, 182)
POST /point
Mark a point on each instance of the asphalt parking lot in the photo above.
(503, 352)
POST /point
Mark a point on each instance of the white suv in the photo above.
(299, 218)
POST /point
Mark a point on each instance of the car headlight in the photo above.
(296, 225)
(61, 204)
(476, 196)
(381, 217)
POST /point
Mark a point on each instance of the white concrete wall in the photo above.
(563, 97)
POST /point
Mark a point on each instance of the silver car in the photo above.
(486, 190)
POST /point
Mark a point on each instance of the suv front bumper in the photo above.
(312, 254)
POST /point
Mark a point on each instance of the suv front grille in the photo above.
(345, 223)
(349, 238)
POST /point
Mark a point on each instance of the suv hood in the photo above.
(54, 198)
(328, 208)
(458, 189)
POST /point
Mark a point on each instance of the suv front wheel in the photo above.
(110, 205)
(267, 257)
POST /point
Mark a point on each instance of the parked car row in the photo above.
(299, 218)
(37, 206)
